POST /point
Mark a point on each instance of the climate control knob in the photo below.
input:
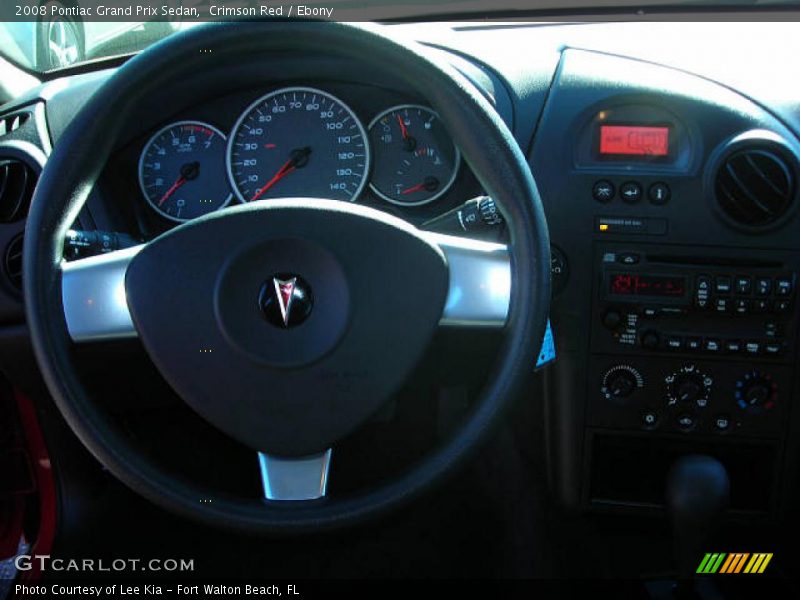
(688, 386)
(621, 382)
(756, 392)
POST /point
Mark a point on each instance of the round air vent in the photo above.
(755, 185)
(12, 263)
(16, 189)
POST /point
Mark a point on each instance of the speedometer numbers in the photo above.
(416, 161)
(298, 142)
(182, 173)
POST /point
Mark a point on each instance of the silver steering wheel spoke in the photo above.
(304, 478)
(94, 299)
(480, 281)
(96, 309)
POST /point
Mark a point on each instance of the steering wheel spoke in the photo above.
(94, 299)
(480, 281)
(304, 478)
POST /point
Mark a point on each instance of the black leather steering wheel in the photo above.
(289, 393)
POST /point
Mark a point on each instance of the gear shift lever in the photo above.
(698, 491)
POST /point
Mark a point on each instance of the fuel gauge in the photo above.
(414, 159)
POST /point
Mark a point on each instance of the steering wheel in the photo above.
(364, 293)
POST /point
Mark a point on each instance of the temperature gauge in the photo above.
(415, 160)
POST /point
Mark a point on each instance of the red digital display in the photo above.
(634, 140)
(626, 284)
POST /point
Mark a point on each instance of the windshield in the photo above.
(49, 35)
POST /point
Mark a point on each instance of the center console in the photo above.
(673, 213)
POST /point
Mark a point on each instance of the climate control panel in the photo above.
(687, 397)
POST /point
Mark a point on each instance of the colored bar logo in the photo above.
(737, 562)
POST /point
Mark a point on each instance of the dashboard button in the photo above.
(711, 346)
(723, 285)
(650, 419)
(630, 192)
(783, 286)
(628, 258)
(753, 348)
(763, 286)
(603, 191)
(761, 306)
(686, 421)
(741, 306)
(694, 343)
(782, 306)
(722, 305)
(773, 348)
(674, 342)
(650, 340)
(722, 423)
(733, 346)
(612, 319)
(743, 285)
(659, 193)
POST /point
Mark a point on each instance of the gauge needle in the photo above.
(189, 171)
(299, 159)
(430, 184)
(409, 142)
(173, 188)
(403, 128)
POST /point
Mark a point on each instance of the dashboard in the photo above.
(307, 138)
(671, 185)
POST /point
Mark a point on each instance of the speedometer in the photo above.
(298, 142)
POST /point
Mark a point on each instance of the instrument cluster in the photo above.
(298, 142)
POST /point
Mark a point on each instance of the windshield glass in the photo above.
(48, 35)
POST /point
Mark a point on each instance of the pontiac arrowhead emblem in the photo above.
(284, 291)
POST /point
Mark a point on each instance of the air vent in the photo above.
(9, 123)
(755, 186)
(17, 181)
(12, 262)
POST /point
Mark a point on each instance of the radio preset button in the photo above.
(630, 192)
(782, 306)
(742, 306)
(763, 286)
(603, 191)
(783, 286)
(743, 285)
(761, 306)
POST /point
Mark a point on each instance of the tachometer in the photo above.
(416, 161)
(298, 142)
(182, 170)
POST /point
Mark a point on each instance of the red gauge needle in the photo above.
(417, 188)
(429, 185)
(403, 128)
(189, 171)
(174, 188)
(299, 159)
